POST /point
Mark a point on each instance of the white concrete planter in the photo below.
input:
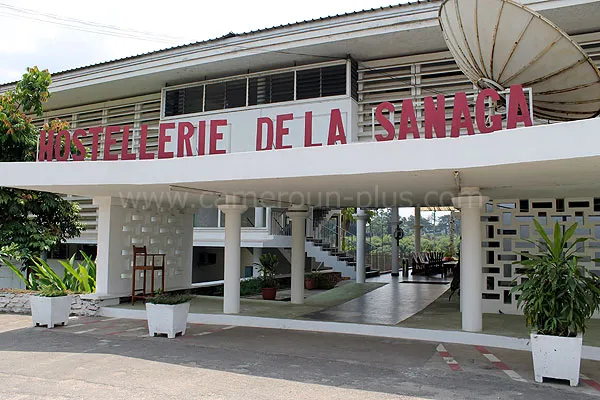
(50, 311)
(556, 357)
(166, 318)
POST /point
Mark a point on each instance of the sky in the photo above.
(55, 35)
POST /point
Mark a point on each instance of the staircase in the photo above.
(331, 257)
(323, 246)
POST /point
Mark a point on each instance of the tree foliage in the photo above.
(31, 222)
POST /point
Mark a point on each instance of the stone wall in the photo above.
(18, 302)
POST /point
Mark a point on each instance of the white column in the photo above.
(361, 227)
(259, 217)
(452, 232)
(471, 260)
(298, 216)
(256, 253)
(233, 237)
(395, 262)
(268, 220)
(418, 229)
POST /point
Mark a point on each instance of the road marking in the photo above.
(590, 382)
(135, 329)
(499, 364)
(74, 325)
(86, 331)
(228, 328)
(203, 333)
(447, 357)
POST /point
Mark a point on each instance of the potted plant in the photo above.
(167, 313)
(311, 281)
(558, 299)
(266, 267)
(51, 306)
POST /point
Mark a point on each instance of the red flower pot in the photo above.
(310, 284)
(269, 293)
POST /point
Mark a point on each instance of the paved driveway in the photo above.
(103, 358)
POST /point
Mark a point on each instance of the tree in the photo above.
(31, 222)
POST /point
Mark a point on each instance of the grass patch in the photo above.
(342, 294)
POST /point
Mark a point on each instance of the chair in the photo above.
(141, 262)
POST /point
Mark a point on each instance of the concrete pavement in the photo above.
(101, 358)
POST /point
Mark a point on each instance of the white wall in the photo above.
(240, 133)
(164, 231)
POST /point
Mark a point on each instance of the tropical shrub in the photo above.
(48, 291)
(266, 266)
(251, 286)
(169, 299)
(557, 296)
(79, 277)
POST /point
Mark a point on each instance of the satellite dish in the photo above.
(499, 43)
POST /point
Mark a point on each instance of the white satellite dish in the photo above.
(499, 43)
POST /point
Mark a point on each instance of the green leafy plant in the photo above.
(250, 287)
(32, 221)
(557, 297)
(170, 299)
(77, 278)
(80, 278)
(29, 282)
(51, 291)
(267, 265)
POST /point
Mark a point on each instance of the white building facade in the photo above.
(214, 152)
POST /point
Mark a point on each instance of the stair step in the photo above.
(372, 274)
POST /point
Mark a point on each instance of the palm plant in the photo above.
(266, 266)
(557, 296)
(78, 277)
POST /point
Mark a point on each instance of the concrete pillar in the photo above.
(361, 227)
(452, 232)
(471, 259)
(418, 229)
(395, 261)
(256, 253)
(268, 220)
(259, 217)
(233, 236)
(298, 215)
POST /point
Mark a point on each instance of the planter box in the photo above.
(166, 318)
(50, 311)
(556, 357)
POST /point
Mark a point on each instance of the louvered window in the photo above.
(304, 83)
(184, 101)
(321, 82)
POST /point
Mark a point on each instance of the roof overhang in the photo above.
(389, 32)
(538, 162)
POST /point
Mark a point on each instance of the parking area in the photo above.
(368, 364)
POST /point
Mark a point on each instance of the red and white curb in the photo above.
(452, 363)
(499, 364)
(590, 382)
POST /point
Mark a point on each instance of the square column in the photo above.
(259, 217)
(298, 215)
(233, 237)
(361, 227)
(471, 261)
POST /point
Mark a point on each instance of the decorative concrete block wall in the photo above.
(506, 225)
(166, 231)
